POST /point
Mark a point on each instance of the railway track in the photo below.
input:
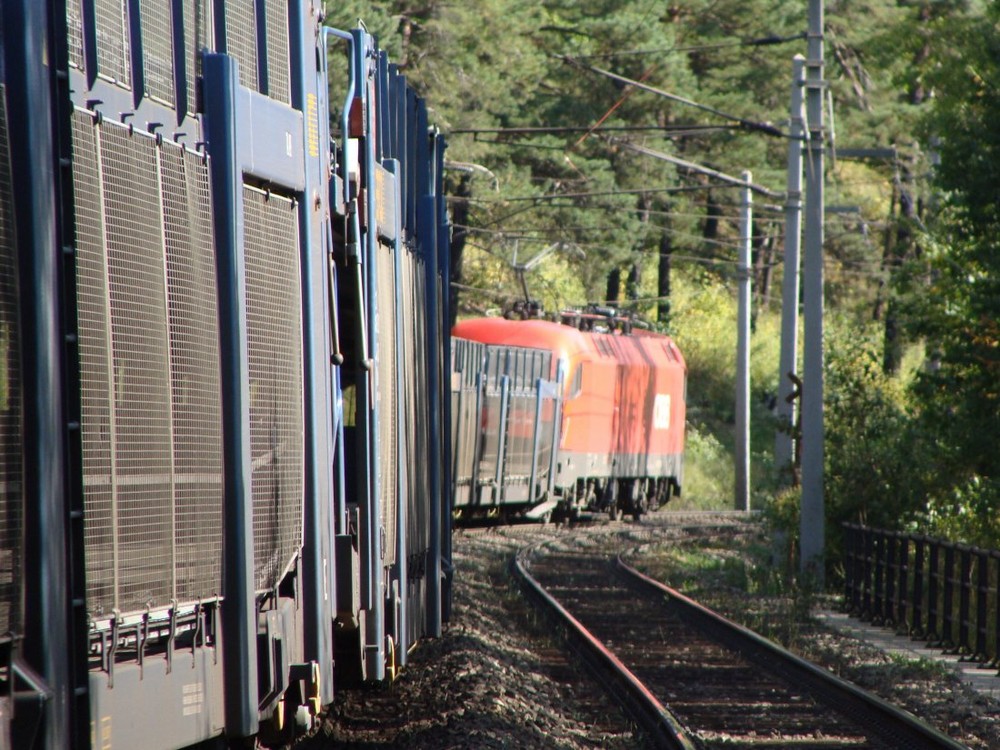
(691, 678)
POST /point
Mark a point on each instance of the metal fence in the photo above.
(944, 593)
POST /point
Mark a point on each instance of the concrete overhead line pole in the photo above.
(743, 349)
(786, 408)
(811, 523)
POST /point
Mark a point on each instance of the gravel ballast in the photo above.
(499, 678)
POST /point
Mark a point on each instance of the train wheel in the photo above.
(640, 508)
(391, 669)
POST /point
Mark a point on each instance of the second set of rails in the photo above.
(689, 677)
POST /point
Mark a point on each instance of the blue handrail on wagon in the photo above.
(944, 593)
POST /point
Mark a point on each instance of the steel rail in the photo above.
(652, 716)
(898, 727)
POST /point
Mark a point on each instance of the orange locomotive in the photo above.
(614, 393)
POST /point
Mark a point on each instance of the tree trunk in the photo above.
(887, 251)
(893, 343)
(663, 277)
(459, 219)
(917, 91)
(614, 288)
(763, 266)
(635, 270)
(713, 211)
(632, 283)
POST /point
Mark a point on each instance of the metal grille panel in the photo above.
(278, 86)
(416, 332)
(520, 434)
(194, 371)
(149, 374)
(546, 437)
(523, 368)
(94, 350)
(157, 49)
(138, 327)
(274, 331)
(113, 41)
(241, 39)
(489, 456)
(467, 363)
(197, 33)
(11, 493)
(387, 395)
(411, 464)
(74, 33)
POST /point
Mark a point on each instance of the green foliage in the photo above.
(765, 351)
(880, 461)
(685, 569)
(921, 76)
(959, 315)
(514, 64)
(708, 473)
(704, 325)
(867, 467)
(782, 512)
(967, 513)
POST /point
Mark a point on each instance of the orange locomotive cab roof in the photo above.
(563, 341)
(638, 350)
(570, 344)
(669, 347)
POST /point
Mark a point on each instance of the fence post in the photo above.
(982, 592)
(917, 629)
(948, 605)
(859, 570)
(902, 591)
(852, 598)
(878, 615)
(964, 599)
(891, 568)
(933, 612)
(869, 544)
